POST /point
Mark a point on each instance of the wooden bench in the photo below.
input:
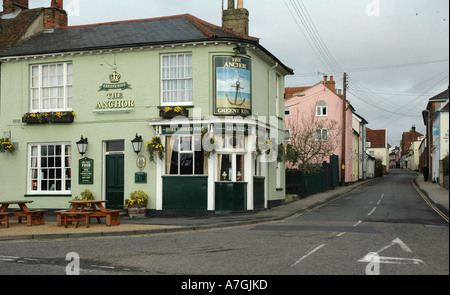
(33, 216)
(112, 216)
(5, 217)
(59, 216)
(76, 216)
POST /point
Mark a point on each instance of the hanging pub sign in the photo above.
(233, 89)
(86, 171)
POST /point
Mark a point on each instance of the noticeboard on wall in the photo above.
(86, 171)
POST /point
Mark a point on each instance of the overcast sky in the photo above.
(395, 52)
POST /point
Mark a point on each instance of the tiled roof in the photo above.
(144, 32)
(377, 138)
(12, 29)
(290, 92)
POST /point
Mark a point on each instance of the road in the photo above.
(383, 227)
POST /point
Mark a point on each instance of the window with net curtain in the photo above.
(184, 155)
(176, 79)
(51, 87)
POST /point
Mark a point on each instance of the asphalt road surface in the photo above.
(383, 227)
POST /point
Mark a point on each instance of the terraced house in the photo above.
(173, 106)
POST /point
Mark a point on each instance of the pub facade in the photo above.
(189, 112)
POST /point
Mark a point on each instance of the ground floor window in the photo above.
(184, 155)
(231, 167)
(50, 168)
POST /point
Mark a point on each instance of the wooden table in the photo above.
(95, 209)
(35, 217)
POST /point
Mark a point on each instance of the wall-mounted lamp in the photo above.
(137, 144)
(240, 49)
(82, 145)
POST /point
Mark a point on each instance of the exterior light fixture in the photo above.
(82, 145)
(137, 144)
(240, 49)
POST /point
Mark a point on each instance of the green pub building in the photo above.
(81, 106)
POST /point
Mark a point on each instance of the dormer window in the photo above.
(51, 87)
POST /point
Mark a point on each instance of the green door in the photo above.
(115, 181)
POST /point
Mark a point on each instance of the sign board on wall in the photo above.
(233, 88)
(86, 171)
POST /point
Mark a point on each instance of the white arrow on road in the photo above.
(395, 260)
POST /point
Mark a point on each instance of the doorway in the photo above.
(114, 174)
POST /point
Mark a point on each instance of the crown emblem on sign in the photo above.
(114, 77)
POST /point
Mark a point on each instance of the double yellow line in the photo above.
(429, 203)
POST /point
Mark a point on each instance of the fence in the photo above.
(322, 180)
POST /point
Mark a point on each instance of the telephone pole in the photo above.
(344, 127)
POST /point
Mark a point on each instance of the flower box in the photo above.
(172, 112)
(34, 120)
(63, 119)
(52, 117)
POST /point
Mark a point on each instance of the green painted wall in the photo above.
(141, 69)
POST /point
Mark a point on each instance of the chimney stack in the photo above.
(55, 16)
(9, 6)
(236, 19)
(330, 84)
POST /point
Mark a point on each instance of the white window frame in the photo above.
(43, 89)
(321, 109)
(192, 151)
(287, 135)
(39, 169)
(323, 134)
(176, 80)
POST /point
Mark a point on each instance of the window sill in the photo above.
(46, 195)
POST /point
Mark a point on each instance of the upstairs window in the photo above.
(51, 87)
(321, 108)
(176, 79)
(322, 135)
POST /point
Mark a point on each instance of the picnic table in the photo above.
(84, 210)
(35, 217)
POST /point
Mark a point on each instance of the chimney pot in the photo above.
(240, 4)
(325, 78)
(331, 78)
(57, 4)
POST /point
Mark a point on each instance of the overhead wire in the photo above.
(323, 53)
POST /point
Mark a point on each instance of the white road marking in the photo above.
(393, 260)
(358, 223)
(307, 254)
(370, 213)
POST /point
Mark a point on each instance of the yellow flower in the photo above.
(167, 109)
(177, 109)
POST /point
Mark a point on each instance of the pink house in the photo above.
(327, 105)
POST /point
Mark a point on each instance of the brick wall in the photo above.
(54, 18)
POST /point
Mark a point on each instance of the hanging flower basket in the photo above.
(172, 112)
(155, 146)
(6, 146)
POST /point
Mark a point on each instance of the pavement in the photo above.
(436, 196)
